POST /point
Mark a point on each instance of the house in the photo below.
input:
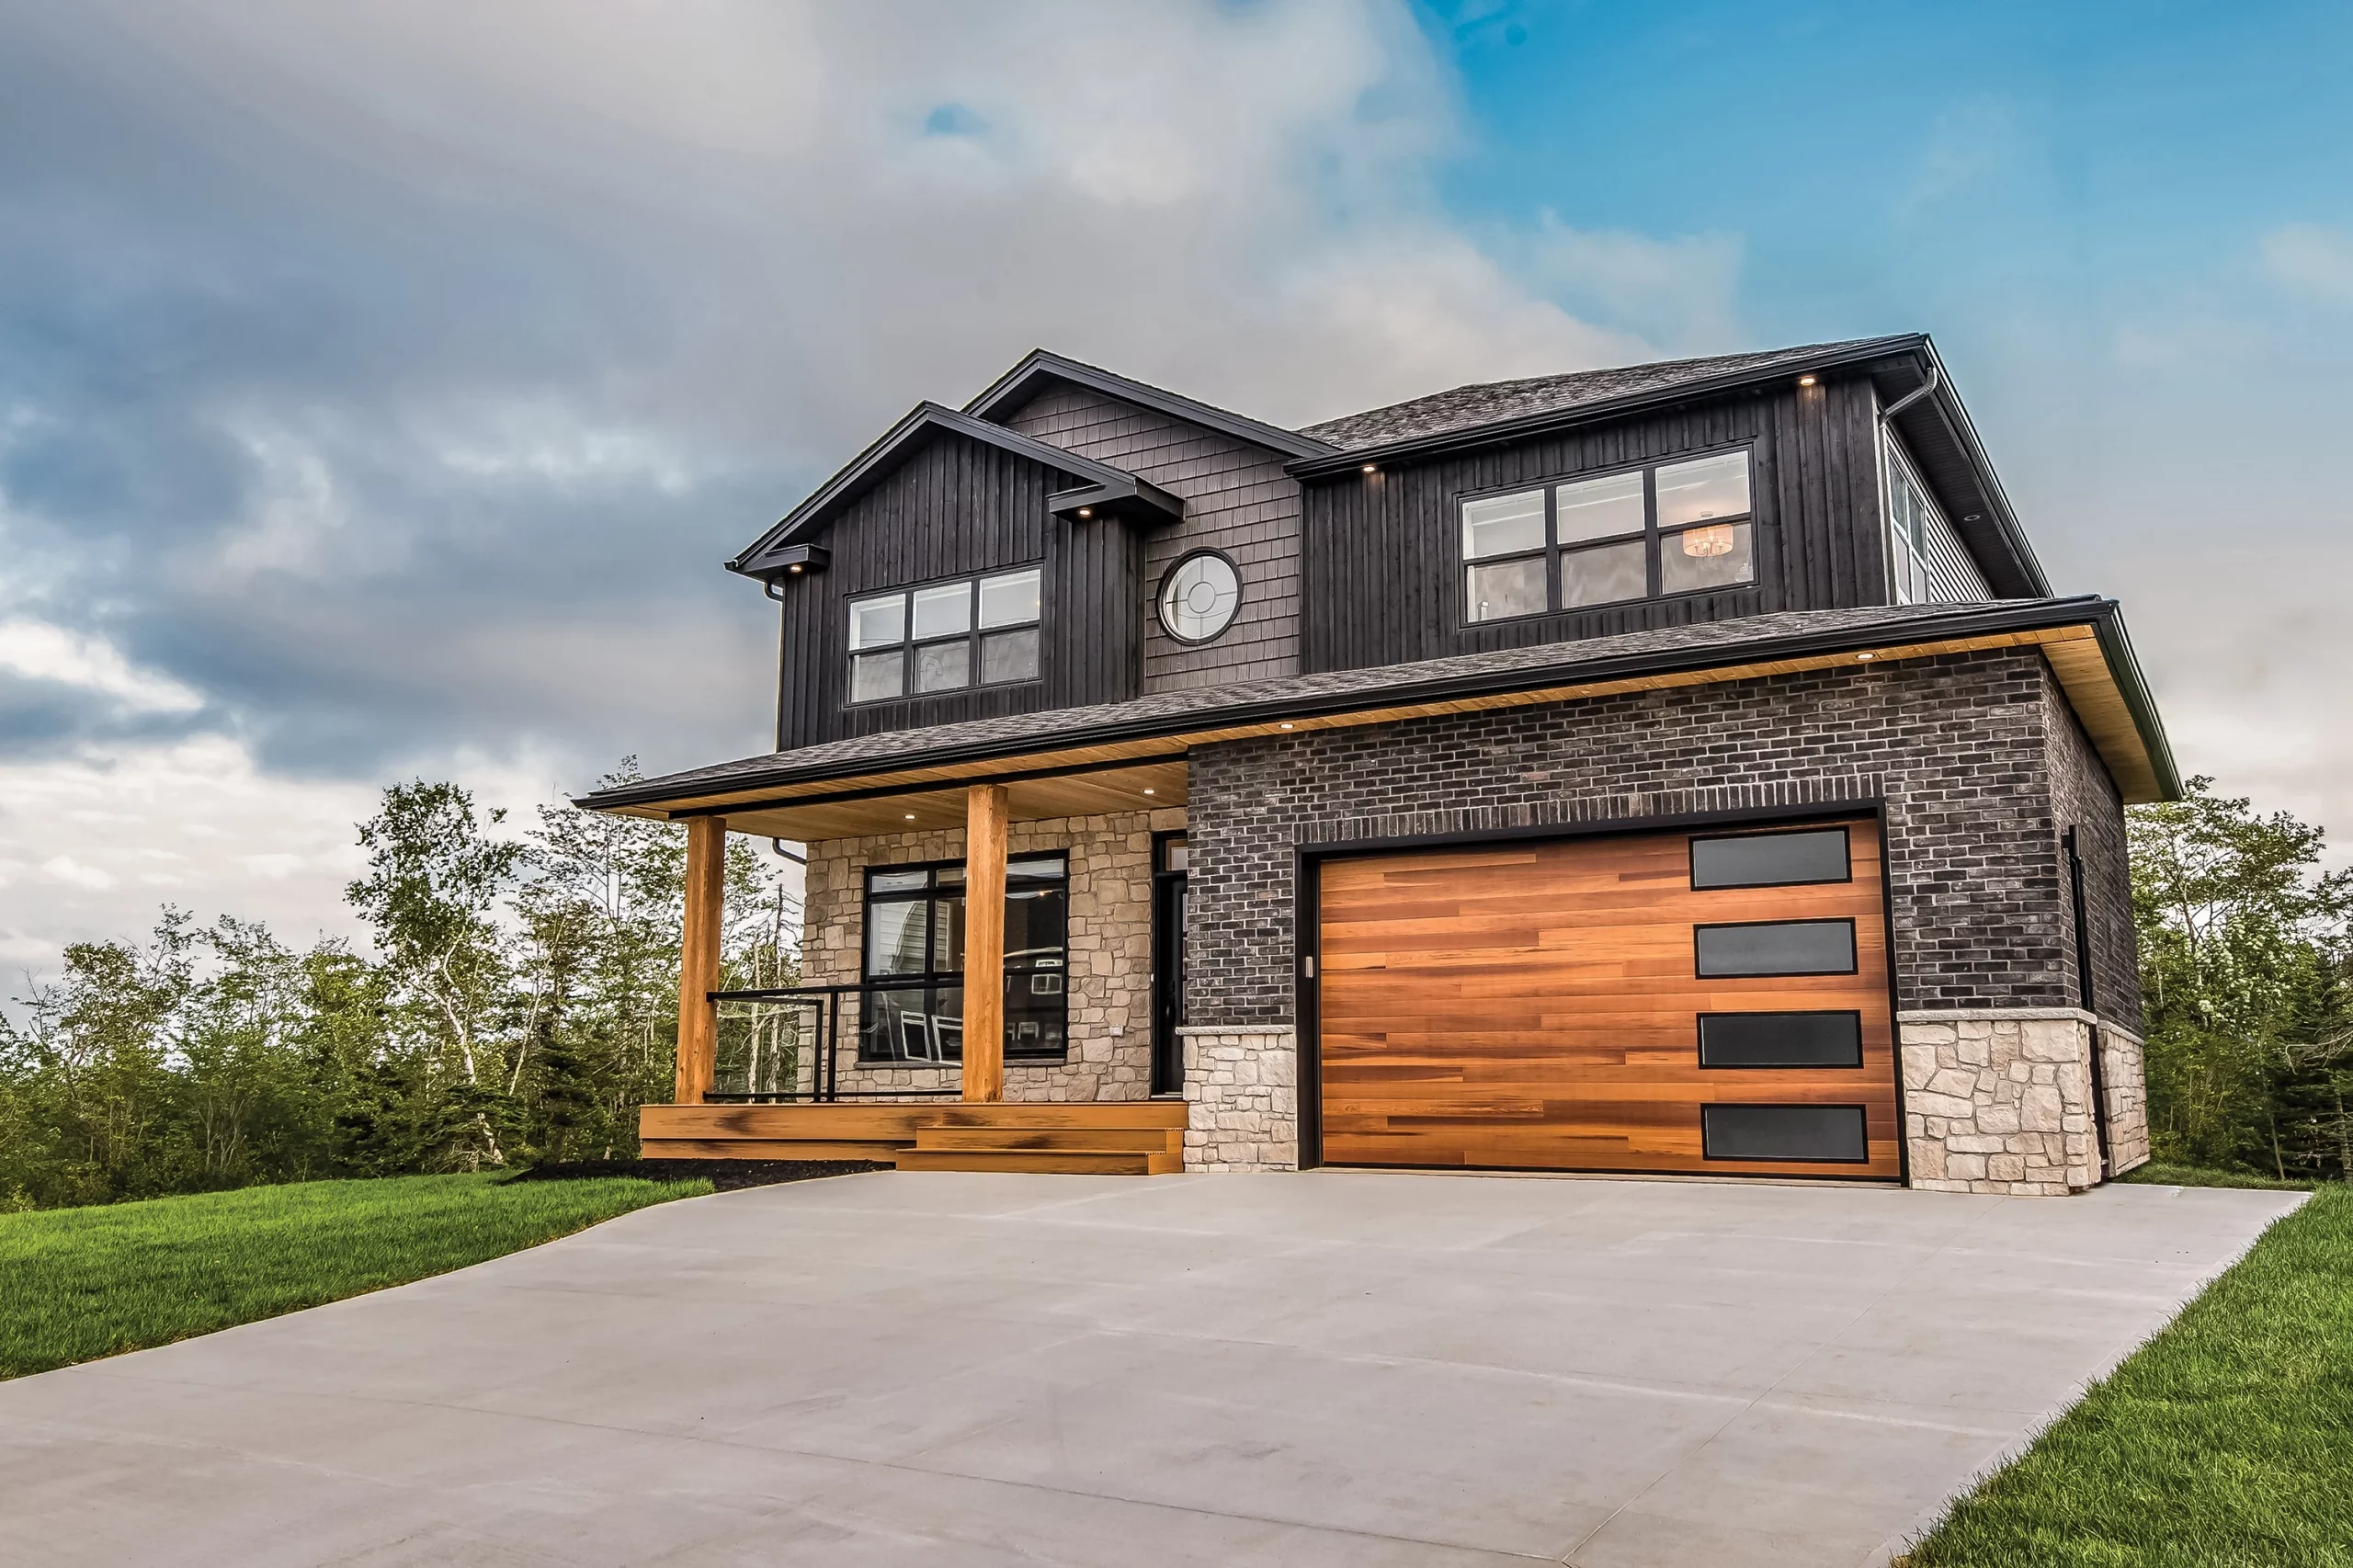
(1678, 768)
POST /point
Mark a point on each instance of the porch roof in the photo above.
(1131, 754)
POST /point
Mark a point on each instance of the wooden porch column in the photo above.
(984, 817)
(699, 958)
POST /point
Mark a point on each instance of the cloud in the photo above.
(381, 385)
(2311, 260)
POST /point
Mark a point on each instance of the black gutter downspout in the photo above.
(2086, 997)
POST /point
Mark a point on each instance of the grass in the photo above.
(76, 1284)
(2227, 1440)
(2202, 1175)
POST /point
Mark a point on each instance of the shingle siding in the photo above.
(1237, 500)
(1963, 749)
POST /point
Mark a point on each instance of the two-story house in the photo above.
(1679, 768)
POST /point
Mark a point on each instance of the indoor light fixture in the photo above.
(1715, 539)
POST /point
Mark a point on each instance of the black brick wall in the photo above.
(1960, 747)
(2085, 798)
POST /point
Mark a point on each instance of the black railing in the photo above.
(785, 1046)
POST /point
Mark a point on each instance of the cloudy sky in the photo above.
(382, 383)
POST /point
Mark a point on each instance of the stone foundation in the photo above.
(1110, 1053)
(1242, 1088)
(1999, 1100)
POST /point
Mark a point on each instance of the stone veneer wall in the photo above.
(1110, 949)
(1242, 1094)
(1999, 1100)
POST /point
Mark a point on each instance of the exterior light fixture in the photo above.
(1286, 726)
(911, 816)
(1805, 380)
(1087, 511)
(1867, 658)
(1371, 468)
(794, 569)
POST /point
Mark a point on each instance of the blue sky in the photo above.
(381, 385)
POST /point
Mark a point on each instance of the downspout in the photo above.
(768, 588)
(1936, 375)
(2086, 995)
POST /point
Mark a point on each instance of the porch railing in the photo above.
(783, 1044)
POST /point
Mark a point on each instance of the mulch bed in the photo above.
(726, 1176)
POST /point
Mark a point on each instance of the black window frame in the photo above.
(1846, 837)
(932, 981)
(1854, 949)
(1653, 534)
(1699, 1041)
(1862, 1120)
(910, 648)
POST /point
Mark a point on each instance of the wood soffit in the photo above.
(1148, 773)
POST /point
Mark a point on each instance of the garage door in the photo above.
(1699, 1002)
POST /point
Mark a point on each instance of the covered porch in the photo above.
(863, 1062)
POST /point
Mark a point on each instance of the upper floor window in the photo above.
(1908, 512)
(977, 631)
(1673, 528)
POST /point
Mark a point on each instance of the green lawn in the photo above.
(2226, 1440)
(76, 1284)
(2154, 1175)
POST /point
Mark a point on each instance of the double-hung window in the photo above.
(1908, 511)
(1675, 528)
(914, 1006)
(975, 631)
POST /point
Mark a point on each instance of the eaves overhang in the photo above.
(766, 557)
(2083, 639)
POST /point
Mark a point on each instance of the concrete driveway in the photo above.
(1326, 1369)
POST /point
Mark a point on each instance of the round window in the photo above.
(1199, 597)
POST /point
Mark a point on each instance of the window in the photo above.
(1776, 946)
(1781, 1039)
(1832, 1135)
(979, 631)
(914, 1006)
(1771, 860)
(1908, 511)
(1199, 597)
(1675, 527)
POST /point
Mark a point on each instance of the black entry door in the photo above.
(1167, 963)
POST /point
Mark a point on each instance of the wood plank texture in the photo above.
(1535, 1004)
(984, 825)
(699, 958)
(1121, 1138)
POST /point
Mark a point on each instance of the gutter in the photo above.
(2028, 615)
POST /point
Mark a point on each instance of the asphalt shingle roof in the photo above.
(1203, 707)
(1492, 402)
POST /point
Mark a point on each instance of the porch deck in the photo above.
(1108, 1138)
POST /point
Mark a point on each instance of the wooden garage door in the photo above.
(1710, 1002)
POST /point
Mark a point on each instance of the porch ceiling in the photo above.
(1147, 787)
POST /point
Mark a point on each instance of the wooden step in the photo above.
(1124, 1114)
(1056, 1162)
(1082, 1139)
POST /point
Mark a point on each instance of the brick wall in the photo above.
(1110, 949)
(2084, 797)
(1959, 747)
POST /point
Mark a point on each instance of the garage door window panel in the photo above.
(1781, 1040)
(1757, 948)
(1802, 1134)
(1771, 859)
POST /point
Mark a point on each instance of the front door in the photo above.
(1168, 863)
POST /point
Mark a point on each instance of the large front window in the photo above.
(914, 1008)
(975, 632)
(1676, 528)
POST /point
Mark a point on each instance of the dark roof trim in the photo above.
(761, 559)
(2116, 647)
(1963, 622)
(1942, 410)
(1010, 390)
(1529, 424)
(1125, 497)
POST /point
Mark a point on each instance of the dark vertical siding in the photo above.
(1383, 554)
(954, 509)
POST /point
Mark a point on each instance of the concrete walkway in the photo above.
(1327, 1369)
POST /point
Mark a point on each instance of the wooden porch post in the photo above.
(984, 817)
(699, 958)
